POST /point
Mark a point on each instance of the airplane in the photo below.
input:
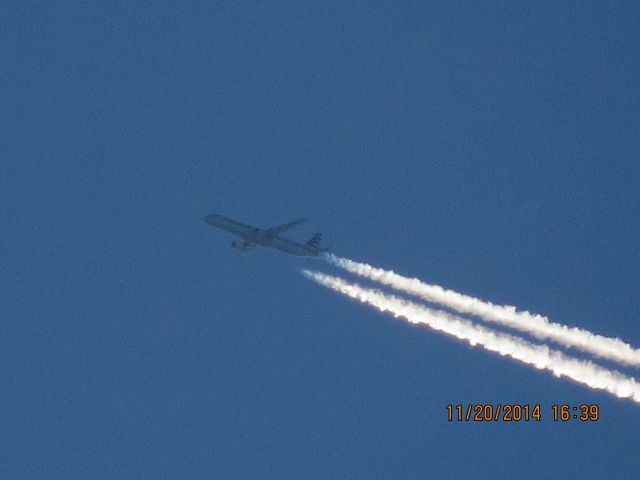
(269, 237)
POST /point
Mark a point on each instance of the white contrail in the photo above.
(540, 356)
(539, 326)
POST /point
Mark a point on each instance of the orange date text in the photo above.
(493, 413)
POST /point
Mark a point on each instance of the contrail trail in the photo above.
(537, 325)
(540, 356)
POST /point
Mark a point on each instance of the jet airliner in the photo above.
(269, 237)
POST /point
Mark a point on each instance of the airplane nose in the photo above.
(211, 219)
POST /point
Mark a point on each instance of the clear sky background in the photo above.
(492, 149)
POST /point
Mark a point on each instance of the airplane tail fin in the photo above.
(314, 242)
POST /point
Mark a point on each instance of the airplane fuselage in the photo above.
(263, 237)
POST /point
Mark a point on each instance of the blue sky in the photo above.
(491, 149)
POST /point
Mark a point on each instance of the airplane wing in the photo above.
(240, 229)
(283, 228)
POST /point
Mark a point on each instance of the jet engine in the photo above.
(242, 246)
